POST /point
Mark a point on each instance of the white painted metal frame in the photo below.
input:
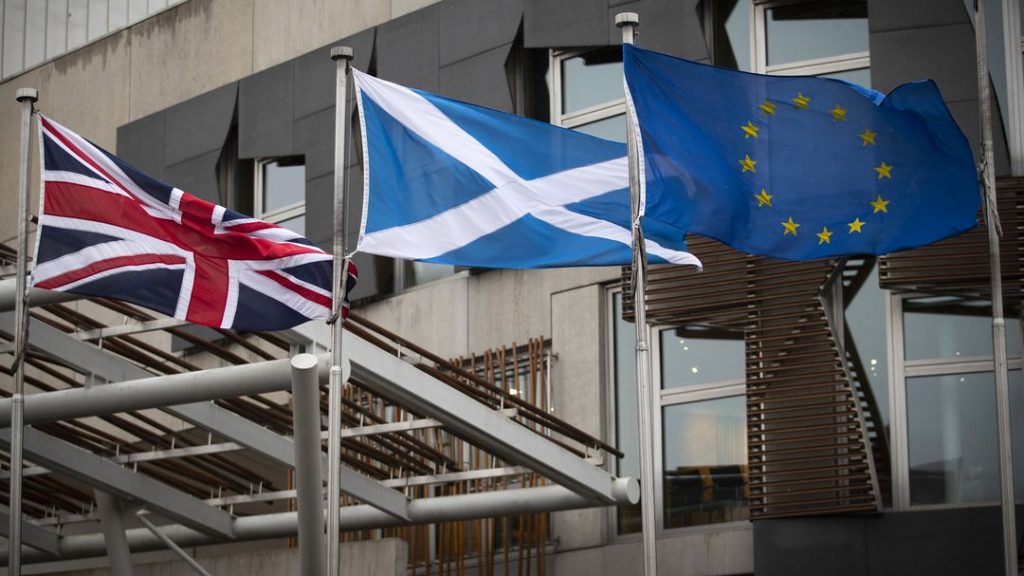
(900, 370)
(811, 67)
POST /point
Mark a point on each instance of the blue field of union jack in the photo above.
(106, 229)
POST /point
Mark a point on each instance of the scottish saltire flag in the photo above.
(106, 229)
(798, 167)
(454, 183)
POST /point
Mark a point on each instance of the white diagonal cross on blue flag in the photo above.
(455, 183)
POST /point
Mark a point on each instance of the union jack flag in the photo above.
(106, 229)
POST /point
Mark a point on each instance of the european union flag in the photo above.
(798, 168)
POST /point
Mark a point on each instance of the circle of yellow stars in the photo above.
(801, 101)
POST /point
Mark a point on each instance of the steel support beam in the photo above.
(421, 511)
(112, 522)
(144, 390)
(101, 473)
(391, 377)
(41, 539)
(37, 297)
(309, 482)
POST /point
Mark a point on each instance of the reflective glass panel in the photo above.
(284, 184)
(952, 438)
(591, 79)
(417, 273)
(812, 30)
(695, 355)
(865, 317)
(705, 462)
(296, 224)
(626, 428)
(613, 128)
(947, 327)
(732, 34)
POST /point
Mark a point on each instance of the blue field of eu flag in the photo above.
(798, 168)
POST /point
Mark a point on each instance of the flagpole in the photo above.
(628, 21)
(341, 55)
(995, 271)
(27, 97)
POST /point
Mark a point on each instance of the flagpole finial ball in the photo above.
(626, 18)
(339, 52)
(30, 94)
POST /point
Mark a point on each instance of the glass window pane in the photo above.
(613, 128)
(284, 184)
(695, 355)
(705, 455)
(417, 273)
(626, 427)
(952, 438)
(947, 327)
(296, 224)
(860, 76)
(866, 319)
(591, 79)
(732, 34)
(814, 30)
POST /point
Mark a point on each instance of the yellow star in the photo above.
(789, 227)
(748, 164)
(838, 113)
(856, 225)
(749, 130)
(825, 236)
(763, 199)
(768, 107)
(868, 137)
(884, 171)
(801, 101)
(880, 205)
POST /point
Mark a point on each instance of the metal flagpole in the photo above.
(628, 21)
(27, 97)
(342, 55)
(995, 271)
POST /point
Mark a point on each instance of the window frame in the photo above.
(664, 398)
(901, 370)
(812, 67)
(589, 115)
(278, 215)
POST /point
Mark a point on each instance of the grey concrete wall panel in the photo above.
(313, 137)
(667, 26)
(887, 15)
(265, 106)
(480, 79)
(565, 23)
(471, 27)
(933, 542)
(315, 73)
(408, 51)
(320, 211)
(141, 144)
(197, 176)
(199, 125)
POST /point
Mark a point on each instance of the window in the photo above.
(812, 38)
(701, 475)
(281, 192)
(587, 92)
(943, 347)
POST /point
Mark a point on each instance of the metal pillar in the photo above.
(628, 21)
(308, 476)
(341, 55)
(27, 97)
(112, 521)
(998, 321)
